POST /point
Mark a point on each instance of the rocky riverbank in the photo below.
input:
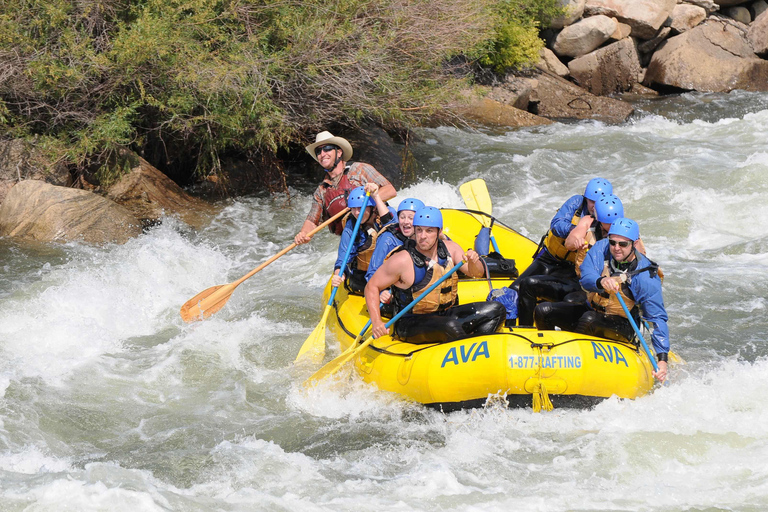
(602, 48)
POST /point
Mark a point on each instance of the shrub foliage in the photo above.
(190, 80)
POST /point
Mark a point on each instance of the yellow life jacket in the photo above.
(365, 254)
(439, 299)
(608, 303)
(556, 245)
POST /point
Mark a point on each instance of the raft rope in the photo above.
(540, 396)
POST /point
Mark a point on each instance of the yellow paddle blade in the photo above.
(313, 349)
(476, 197)
(674, 358)
(337, 363)
(206, 303)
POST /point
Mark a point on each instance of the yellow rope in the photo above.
(540, 396)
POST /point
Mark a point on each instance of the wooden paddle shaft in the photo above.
(273, 258)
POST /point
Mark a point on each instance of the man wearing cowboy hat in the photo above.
(333, 153)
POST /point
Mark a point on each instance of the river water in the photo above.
(110, 402)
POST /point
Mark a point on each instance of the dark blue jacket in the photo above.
(561, 223)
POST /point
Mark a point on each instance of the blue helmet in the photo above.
(356, 197)
(597, 188)
(625, 227)
(608, 209)
(429, 217)
(411, 204)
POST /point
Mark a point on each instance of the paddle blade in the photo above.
(206, 303)
(313, 349)
(476, 197)
(336, 363)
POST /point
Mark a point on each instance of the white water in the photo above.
(110, 402)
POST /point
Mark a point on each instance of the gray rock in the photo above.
(728, 3)
(583, 37)
(149, 194)
(548, 61)
(558, 98)
(686, 16)
(713, 57)
(740, 14)
(610, 69)
(39, 211)
(758, 34)
(757, 8)
(707, 5)
(644, 16)
(574, 9)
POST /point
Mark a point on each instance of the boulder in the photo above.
(686, 16)
(758, 34)
(573, 11)
(707, 5)
(712, 57)
(757, 8)
(39, 211)
(548, 61)
(728, 3)
(149, 194)
(490, 112)
(557, 98)
(622, 31)
(613, 68)
(646, 48)
(644, 16)
(583, 37)
(740, 14)
(21, 160)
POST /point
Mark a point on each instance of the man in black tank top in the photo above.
(421, 262)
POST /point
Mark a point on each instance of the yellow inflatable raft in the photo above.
(530, 367)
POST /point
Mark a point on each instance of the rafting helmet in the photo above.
(357, 198)
(608, 209)
(411, 204)
(597, 188)
(625, 227)
(429, 217)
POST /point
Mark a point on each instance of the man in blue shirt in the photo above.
(553, 257)
(615, 265)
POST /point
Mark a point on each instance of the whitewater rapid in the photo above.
(111, 402)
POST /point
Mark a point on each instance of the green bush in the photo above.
(186, 81)
(517, 43)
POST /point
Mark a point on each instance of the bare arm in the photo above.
(387, 275)
(387, 192)
(575, 239)
(474, 267)
(301, 237)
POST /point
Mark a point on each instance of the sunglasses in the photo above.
(620, 243)
(327, 148)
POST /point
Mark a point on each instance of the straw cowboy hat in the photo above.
(324, 138)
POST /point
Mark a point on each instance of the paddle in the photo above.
(476, 197)
(339, 361)
(637, 331)
(314, 345)
(212, 299)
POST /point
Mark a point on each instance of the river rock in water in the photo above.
(39, 211)
(149, 194)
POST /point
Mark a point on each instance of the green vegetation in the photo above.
(186, 81)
